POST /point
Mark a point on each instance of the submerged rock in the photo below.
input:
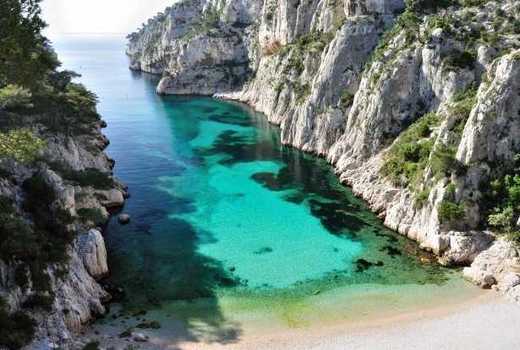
(123, 219)
(140, 337)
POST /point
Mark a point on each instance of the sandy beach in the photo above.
(490, 322)
(464, 318)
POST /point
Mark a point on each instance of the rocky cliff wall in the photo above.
(416, 105)
(65, 296)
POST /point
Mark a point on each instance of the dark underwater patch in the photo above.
(269, 181)
(392, 251)
(208, 109)
(229, 118)
(296, 197)
(175, 271)
(239, 150)
(389, 237)
(335, 219)
(263, 250)
(362, 265)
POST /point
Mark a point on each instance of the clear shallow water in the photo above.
(221, 210)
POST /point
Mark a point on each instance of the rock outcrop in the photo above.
(353, 81)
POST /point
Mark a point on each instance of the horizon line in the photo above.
(87, 33)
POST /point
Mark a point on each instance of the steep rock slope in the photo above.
(55, 281)
(56, 189)
(415, 103)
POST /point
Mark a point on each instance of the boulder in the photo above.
(123, 219)
(113, 198)
(140, 337)
(93, 252)
(498, 265)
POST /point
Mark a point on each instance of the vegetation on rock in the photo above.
(16, 329)
(21, 145)
(38, 105)
(409, 155)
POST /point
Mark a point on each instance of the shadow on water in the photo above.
(166, 269)
(156, 256)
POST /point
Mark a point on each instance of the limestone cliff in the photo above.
(61, 297)
(56, 189)
(415, 103)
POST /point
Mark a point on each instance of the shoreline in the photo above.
(439, 328)
(337, 319)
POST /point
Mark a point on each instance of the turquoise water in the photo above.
(220, 208)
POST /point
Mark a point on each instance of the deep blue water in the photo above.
(219, 206)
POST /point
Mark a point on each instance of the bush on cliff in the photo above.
(408, 157)
(449, 211)
(25, 56)
(14, 97)
(34, 246)
(504, 193)
(21, 145)
(16, 329)
(89, 177)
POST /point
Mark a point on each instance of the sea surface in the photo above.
(228, 225)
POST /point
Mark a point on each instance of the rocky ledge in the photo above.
(415, 103)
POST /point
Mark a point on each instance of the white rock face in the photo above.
(493, 131)
(330, 98)
(501, 263)
(92, 250)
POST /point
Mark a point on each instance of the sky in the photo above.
(99, 16)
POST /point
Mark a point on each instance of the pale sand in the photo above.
(439, 318)
(487, 322)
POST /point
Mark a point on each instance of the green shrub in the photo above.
(39, 300)
(313, 42)
(443, 162)
(51, 236)
(301, 92)
(450, 211)
(460, 60)
(16, 330)
(80, 99)
(502, 219)
(422, 6)
(346, 100)
(503, 199)
(93, 345)
(21, 145)
(89, 177)
(14, 96)
(422, 197)
(6, 206)
(451, 190)
(94, 215)
(18, 240)
(462, 106)
(408, 157)
(5, 173)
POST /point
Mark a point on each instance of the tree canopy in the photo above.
(25, 54)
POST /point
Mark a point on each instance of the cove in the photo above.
(228, 224)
